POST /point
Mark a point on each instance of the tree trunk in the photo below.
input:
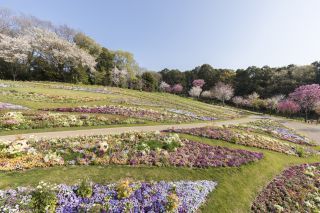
(306, 116)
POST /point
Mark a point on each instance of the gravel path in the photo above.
(312, 131)
(118, 130)
(309, 130)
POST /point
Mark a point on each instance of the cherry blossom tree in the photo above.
(206, 94)
(222, 92)
(195, 91)
(177, 88)
(237, 100)
(15, 50)
(119, 77)
(306, 96)
(317, 108)
(164, 87)
(198, 83)
(288, 107)
(57, 50)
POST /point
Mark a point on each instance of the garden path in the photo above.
(118, 130)
(312, 131)
(309, 130)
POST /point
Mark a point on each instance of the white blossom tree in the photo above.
(195, 91)
(59, 51)
(15, 50)
(119, 77)
(222, 92)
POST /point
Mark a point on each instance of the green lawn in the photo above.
(237, 187)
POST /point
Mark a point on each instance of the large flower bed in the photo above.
(192, 115)
(297, 189)
(134, 112)
(276, 129)
(103, 90)
(5, 106)
(125, 149)
(124, 196)
(36, 120)
(41, 97)
(238, 136)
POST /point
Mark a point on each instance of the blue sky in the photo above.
(186, 33)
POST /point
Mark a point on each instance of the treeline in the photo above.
(265, 81)
(33, 49)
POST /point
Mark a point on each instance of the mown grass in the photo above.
(237, 187)
(159, 101)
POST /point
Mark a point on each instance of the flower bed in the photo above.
(192, 115)
(37, 120)
(237, 136)
(295, 190)
(3, 85)
(39, 97)
(152, 149)
(77, 88)
(4, 106)
(134, 112)
(124, 196)
(277, 130)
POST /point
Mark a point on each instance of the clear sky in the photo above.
(186, 33)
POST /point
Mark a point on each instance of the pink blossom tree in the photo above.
(317, 108)
(288, 107)
(198, 83)
(222, 92)
(164, 87)
(306, 96)
(177, 88)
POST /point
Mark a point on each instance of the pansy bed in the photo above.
(277, 130)
(9, 106)
(124, 196)
(152, 149)
(132, 112)
(42, 97)
(247, 138)
(38, 120)
(297, 189)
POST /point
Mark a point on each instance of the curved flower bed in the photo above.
(277, 130)
(192, 115)
(4, 106)
(37, 120)
(125, 196)
(295, 190)
(39, 97)
(237, 136)
(152, 149)
(134, 112)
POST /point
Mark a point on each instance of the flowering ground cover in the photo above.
(38, 120)
(41, 97)
(297, 189)
(192, 115)
(125, 149)
(247, 138)
(132, 112)
(124, 196)
(276, 129)
(6, 106)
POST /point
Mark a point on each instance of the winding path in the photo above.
(309, 130)
(118, 130)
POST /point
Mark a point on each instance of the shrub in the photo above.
(44, 199)
(85, 189)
